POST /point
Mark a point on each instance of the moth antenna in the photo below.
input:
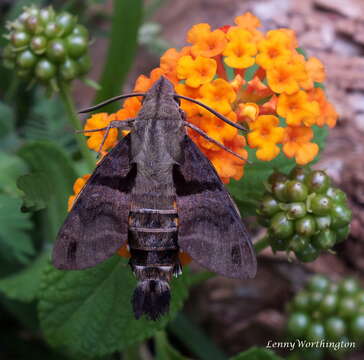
(216, 113)
(202, 133)
(109, 101)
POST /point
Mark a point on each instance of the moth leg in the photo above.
(202, 133)
(115, 124)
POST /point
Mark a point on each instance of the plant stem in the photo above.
(76, 124)
(261, 244)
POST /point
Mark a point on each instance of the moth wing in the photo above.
(210, 229)
(97, 225)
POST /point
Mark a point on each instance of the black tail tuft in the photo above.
(151, 297)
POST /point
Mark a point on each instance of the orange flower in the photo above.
(219, 91)
(269, 107)
(240, 50)
(77, 187)
(130, 109)
(253, 91)
(298, 109)
(196, 71)
(315, 72)
(98, 121)
(265, 135)
(247, 21)
(297, 143)
(168, 62)
(248, 112)
(144, 83)
(286, 75)
(276, 46)
(198, 32)
(206, 42)
(227, 165)
(327, 114)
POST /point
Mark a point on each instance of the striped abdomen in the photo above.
(154, 258)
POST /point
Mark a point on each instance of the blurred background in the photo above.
(237, 315)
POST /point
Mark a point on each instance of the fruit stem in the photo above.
(76, 124)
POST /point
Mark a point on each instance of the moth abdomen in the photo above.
(154, 259)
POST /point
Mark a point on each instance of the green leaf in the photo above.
(126, 20)
(319, 85)
(256, 353)
(164, 350)
(89, 313)
(250, 72)
(47, 158)
(248, 191)
(24, 285)
(14, 225)
(302, 52)
(37, 191)
(195, 339)
(11, 167)
(47, 120)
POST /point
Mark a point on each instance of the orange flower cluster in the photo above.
(260, 79)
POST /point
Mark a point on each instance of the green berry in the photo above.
(341, 216)
(66, 22)
(69, 70)
(45, 70)
(46, 15)
(315, 332)
(296, 191)
(269, 206)
(335, 328)
(277, 177)
(20, 39)
(308, 254)
(305, 226)
(342, 233)
(76, 45)
(349, 286)
(52, 30)
(56, 50)
(33, 25)
(299, 173)
(301, 301)
(38, 44)
(84, 64)
(325, 240)
(298, 324)
(26, 59)
(336, 195)
(298, 243)
(23, 73)
(356, 328)
(318, 182)
(80, 30)
(279, 190)
(329, 304)
(280, 227)
(320, 204)
(323, 222)
(319, 283)
(347, 307)
(295, 210)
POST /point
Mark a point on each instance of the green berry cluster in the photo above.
(304, 213)
(46, 46)
(326, 311)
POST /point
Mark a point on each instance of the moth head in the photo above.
(162, 89)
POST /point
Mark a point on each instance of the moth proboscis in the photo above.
(158, 193)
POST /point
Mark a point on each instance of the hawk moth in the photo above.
(158, 193)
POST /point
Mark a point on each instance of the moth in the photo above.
(156, 192)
